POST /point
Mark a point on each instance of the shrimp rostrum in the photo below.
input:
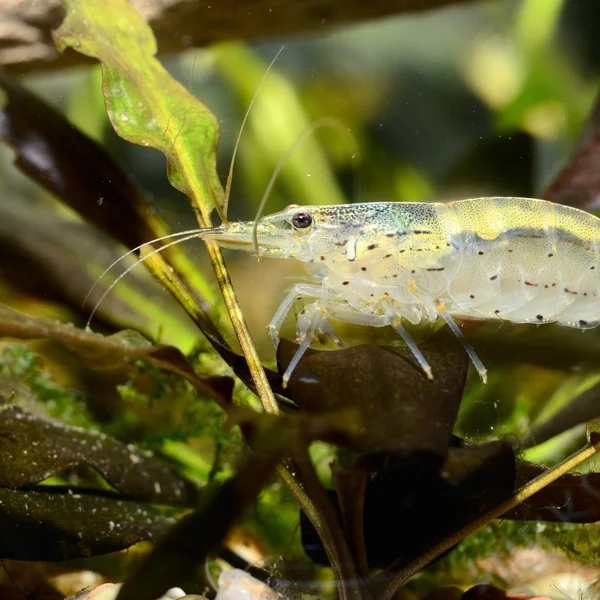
(384, 264)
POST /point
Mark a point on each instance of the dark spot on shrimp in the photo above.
(480, 253)
(404, 250)
(550, 255)
(568, 291)
(436, 269)
(449, 245)
(322, 258)
(585, 293)
(387, 256)
(582, 322)
(531, 284)
(546, 286)
(437, 247)
(510, 249)
(472, 297)
(421, 232)
(345, 282)
(496, 311)
(341, 243)
(540, 317)
(592, 268)
(371, 246)
(413, 271)
(363, 268)
(493, 277)
(390, 235)
(554, 285)
(395, 275)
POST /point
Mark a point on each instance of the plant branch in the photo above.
(395, 576)
(25, 26)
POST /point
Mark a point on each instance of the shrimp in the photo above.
(384, 264)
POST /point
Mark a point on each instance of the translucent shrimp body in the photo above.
(378, 264)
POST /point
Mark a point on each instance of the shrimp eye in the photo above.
(302, 220)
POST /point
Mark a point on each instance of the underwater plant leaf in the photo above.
(188, 543)
(33, 448)
(82, 175)
(148, 107)
(145, 104)
(582, 409)
(491, 592)
(110, 351)
(53, 257)
(56, 523)
(72, 166)
(578, 183)
(551, 345)
(412, 503)
(400, 409)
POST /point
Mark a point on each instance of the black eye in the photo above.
(302, 220)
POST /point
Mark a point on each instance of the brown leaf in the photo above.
(110, 351)
(71, 165)
(401, 410)
(33, 448)
(188, 543)
(55, 523)
(578, 183)
(413, 504)
(571, 499)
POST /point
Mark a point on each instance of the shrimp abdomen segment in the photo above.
(525, 260)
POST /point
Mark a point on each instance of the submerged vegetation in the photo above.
(164, 418)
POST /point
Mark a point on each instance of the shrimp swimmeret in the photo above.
(381, 264)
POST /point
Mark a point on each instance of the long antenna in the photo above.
(123, 256)
(195, 235)
(239, 136)
(330, 122)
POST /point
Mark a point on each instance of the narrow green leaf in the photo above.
(144, 103)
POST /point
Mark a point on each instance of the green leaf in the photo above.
(82, 175)
(144, 103)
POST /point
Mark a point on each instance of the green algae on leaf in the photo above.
(104, 352)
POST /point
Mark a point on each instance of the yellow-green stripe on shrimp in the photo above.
(378, 264)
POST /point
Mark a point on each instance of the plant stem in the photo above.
(395, 576)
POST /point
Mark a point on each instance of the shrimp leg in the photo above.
(298, 291)
(396, 323)
(468, 348)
